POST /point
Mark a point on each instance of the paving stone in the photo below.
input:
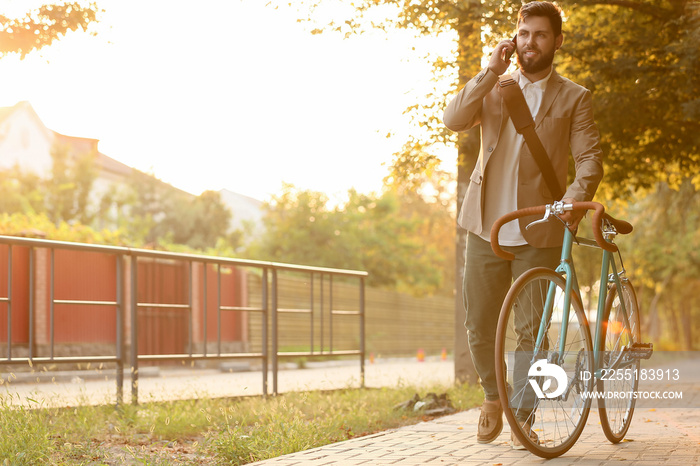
(661, 437)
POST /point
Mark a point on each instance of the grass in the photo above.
(207, 430)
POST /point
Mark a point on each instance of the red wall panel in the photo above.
(20, 294)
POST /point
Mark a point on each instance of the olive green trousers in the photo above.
(487, 279)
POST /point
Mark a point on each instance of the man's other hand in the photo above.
(572, 217)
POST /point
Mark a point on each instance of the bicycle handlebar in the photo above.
(621, 226)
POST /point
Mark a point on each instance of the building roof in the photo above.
(78, 145)
(82, 145)
(108, 164)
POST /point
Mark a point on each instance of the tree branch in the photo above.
(656, 12)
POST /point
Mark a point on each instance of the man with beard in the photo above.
(507, 178)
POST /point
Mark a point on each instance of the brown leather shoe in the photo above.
(490, 422)
(516, 444)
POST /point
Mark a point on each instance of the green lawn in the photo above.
(207, 431)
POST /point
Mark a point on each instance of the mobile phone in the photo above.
(508, 54)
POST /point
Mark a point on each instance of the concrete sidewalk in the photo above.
(161, 384)
(657, 436)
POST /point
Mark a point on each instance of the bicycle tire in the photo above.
(616, 413)
(558, 421)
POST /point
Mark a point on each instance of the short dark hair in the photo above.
(546, 9)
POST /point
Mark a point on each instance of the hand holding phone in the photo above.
(500, 58)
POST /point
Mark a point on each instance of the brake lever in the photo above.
(556, 208)
(545, 219)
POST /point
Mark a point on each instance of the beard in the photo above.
(535, 65)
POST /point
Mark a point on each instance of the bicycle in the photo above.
(547, 364)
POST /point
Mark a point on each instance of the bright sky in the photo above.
(228, 94)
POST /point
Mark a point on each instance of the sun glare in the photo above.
(244, 100)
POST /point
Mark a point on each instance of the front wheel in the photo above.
(544, 362)
(621, 329)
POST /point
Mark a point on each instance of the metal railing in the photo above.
(127, 302)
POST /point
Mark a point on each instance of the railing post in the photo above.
(52, 299)
(9, 301)
(120, 329)
(362, 331)
(218, 309)
(265, 340)
(321, 313)
(204, 310)
(311, 283)
(134, 333)
(275, 342)
(190, 327)
(31, 303)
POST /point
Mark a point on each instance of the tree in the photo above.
(67, 191)
(428, 199)
(150, 211)
(646, 92)
(299, 229)
(44, 25)
(20, 192)
(64, 197)
(131, 207)
(202, 222)
(379, 234)
(665, 262)
(390, 232)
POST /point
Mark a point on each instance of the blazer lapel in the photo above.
(550, 93)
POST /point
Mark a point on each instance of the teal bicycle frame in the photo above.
(566, 267)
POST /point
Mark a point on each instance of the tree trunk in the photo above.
(464, 367)
(654, 320)
(687, 322)
(469, 62)
(675, 318)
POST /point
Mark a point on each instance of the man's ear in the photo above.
(558, 41)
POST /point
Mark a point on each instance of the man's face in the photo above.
(536, 44)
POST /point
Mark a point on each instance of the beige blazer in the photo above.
(565, 126)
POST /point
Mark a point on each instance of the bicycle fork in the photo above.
(635, 350)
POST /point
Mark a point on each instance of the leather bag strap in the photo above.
(525, 125)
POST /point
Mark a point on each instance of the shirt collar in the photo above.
(542, 83)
